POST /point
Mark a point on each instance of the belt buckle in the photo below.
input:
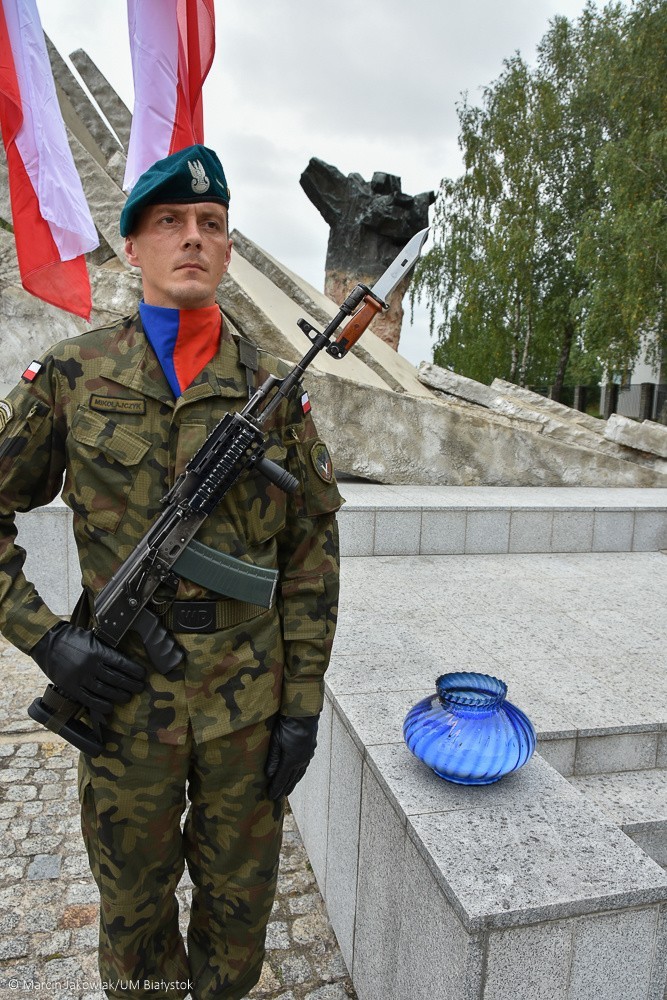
(193, 616)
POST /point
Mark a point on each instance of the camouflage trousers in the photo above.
(132, 800)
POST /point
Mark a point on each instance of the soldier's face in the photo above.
(183, 252)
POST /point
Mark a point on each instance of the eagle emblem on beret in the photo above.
(200, 182)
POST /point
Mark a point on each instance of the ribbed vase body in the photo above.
(467, 732)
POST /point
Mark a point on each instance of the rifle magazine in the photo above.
(226, 575)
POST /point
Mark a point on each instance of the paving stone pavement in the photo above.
(49, 902)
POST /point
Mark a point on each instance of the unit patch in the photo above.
(6, 413)
(321, 459)
(305, 403)
(117, 404)
(32, 371)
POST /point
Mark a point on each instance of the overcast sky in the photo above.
(365, 86)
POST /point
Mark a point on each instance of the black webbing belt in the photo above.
(209, 616)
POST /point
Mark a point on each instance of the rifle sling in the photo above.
(60, 705)
(226, 575)
(249, 358)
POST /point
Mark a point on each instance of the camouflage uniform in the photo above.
(100, 412)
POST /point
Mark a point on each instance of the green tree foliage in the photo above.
(549, 256)
(623, 239)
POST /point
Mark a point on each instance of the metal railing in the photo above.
(638, 400)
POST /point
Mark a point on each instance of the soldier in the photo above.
(118, 412)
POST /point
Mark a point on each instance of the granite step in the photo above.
(634, 800)
(472, 520)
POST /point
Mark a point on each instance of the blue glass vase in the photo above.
(467, 732)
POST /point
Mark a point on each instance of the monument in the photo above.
(370, 222)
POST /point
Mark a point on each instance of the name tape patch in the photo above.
(117, 404)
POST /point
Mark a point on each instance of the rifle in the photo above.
(235, 445)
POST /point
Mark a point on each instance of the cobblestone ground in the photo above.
(48, 900)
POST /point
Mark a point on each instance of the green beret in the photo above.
(190, 175)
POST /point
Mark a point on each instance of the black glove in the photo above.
(291, 749)
(87, 670)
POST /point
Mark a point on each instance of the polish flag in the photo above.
(53, 227)
(172, 43)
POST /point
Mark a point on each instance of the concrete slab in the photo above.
(378, 913)
(314, 789)
(613, 949)
(541, 622)
(253, 302)
(52, 563)
(546, 951)
(526, 497)
(646, 437)
(502, 868)
(343, 837)
(436, 957)
(465, 887)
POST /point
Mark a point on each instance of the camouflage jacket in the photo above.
(100, 414)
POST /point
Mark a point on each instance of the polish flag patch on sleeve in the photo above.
(32, 371)
(305, 403)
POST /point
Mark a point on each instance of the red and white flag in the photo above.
(53, 227)
(172, 43)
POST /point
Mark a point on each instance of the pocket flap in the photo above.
(99, 432)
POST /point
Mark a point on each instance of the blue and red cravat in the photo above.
(184, 340)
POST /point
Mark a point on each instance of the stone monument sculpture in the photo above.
(370, 221)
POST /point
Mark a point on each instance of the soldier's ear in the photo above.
(131, 251)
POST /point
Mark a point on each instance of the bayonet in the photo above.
(397, 270)
(375, 298)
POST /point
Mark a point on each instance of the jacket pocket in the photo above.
(103, 462)
(304, 609)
